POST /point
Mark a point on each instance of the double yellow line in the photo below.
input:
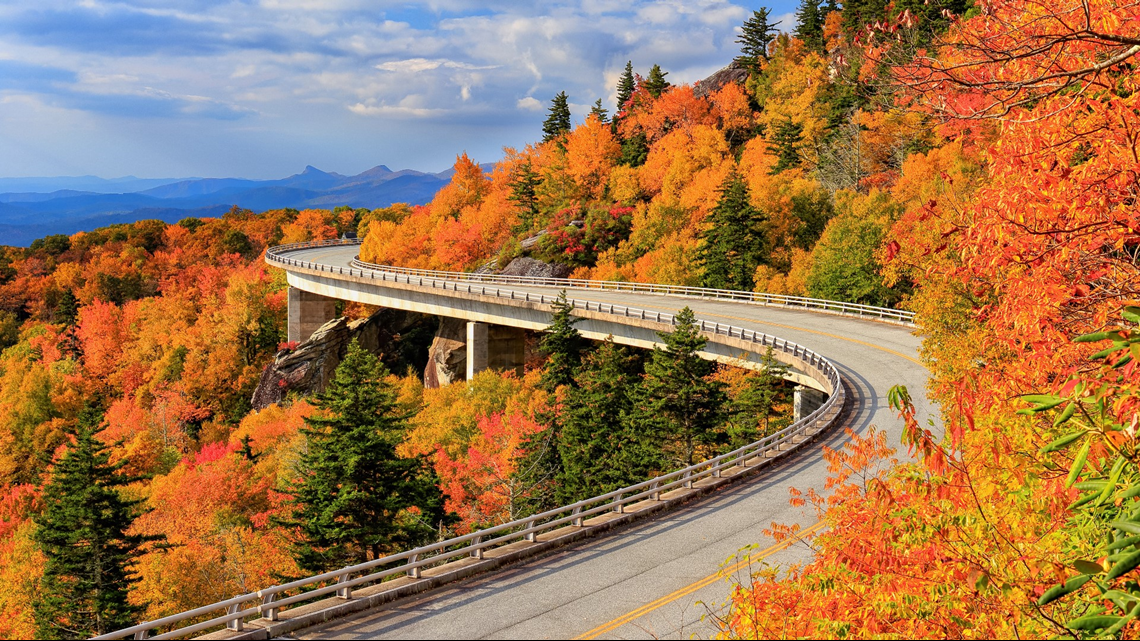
(693, 587)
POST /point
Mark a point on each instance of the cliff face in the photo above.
(734, 72)
(447, 356)
(308, 368)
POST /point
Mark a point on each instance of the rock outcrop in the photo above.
(734, 72)
(524, 266)
(308, 368)
(447, 356)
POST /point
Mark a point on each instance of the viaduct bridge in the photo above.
(563, 581)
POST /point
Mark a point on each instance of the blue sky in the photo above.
(261, 88)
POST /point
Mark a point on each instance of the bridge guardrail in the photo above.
(267, 603)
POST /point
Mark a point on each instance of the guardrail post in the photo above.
(268, 613)
(531, 536)
(716, 471)
(237, 625)
(477, 548)
(345, 592)
(656, 496)
(688, 480)
(578, 521)
(619, 507)
(414, 572)
(142, 634)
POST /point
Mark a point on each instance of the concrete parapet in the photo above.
(806, 400)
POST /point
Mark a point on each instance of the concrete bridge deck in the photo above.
(647, 580)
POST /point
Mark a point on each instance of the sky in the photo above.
(262, 88)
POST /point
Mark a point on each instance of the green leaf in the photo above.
(1126, 526)
(1116, 347)
(1091, 486)
(1070, 409)
(1131, 492)
(1093, 338)
(1087, 567)
(1131, 314)
(1068, 587)
(1093, 622)
(1063, 441)
(1123, 543)
(1079, 463)
(1113, 479)
(1043, 401)
(1125, 565)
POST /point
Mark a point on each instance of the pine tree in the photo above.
(755, 37)
(656, 84)
(733, 245)
(354, 496)
(83, 533)
(524, 194)
(635, 150)
(809, 24)
(752, 408)
(786, 143)
(67, 311)
(562, 345)
(558, 122)
(625, 88)
(676, 401)
(600, 450)
(600, 112)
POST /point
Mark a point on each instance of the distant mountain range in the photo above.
(32, 208)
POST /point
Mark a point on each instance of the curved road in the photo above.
(659, 578)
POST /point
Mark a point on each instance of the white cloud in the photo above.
(529, 104)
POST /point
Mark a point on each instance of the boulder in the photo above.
(309, 367)
(524, 266)
(447, 356)
(734, 72)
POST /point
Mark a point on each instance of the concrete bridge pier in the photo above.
(307, 313)
(806, 400)
(495, 347)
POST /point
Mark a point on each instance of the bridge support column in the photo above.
(307, 313)
(807, 400)
(495, 347)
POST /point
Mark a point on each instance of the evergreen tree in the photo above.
(558, 122)
(67, 311)
(676, 401)
(786, 143)
(83, 534)
(732, 246)
(562, 345)
(524, 194)
(600, 450)
(752, 408)
(625, 88)
(634, 150)
(656, 84)
(755, 37)
(353, 496)
(600, 112)
(246, 451)
(809, 24)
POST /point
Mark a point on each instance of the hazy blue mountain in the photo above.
(31, 208)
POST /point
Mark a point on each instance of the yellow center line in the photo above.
(693, 587)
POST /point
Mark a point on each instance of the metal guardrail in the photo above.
(267, 603)
(899, 316)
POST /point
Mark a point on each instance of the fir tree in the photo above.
(562, 345)
(246, 451)
(600, 450)
(732, 246)
(83, 534)
(786, 143)
(676, 401)
(67, 311)
(558, 122)
(752, 408)
(354, 496)
(524, 194)
(809, 24)
(625, 88)
(656, 84)
(635, 150)
(600, 112)
(755, 37)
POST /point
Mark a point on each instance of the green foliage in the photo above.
(656, 84)
(809, 24)
(600, 449)
(524, 194)
(557, 123)
(676, 401)
(236, 242)
(634, 150)
(9, 329)
(354, 499)
(562, 345)
(67, 310)
(191, 224)
(786, 142)
(755, 37)
(83, 533)
(625, 88)
(845, 265)
(51, 245)
(600, 112)
(128, 287)
(813, 210)
(752, 409)
(732, 245)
